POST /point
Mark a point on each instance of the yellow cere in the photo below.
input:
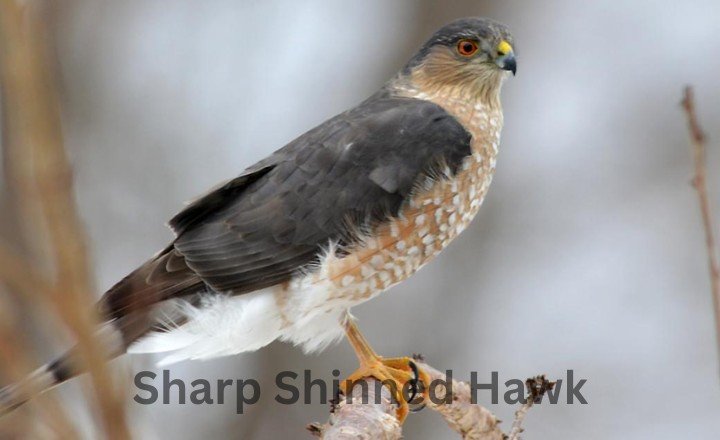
(504, 47)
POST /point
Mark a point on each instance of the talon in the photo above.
(394, 373)
(414, 381)
(414, 369)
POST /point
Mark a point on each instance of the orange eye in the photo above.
(467, 48)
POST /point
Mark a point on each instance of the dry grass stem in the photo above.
(31, 118)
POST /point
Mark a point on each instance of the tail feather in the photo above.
(54, 373)
(39, 381)
(143, 302)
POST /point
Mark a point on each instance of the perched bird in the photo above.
(337, 216)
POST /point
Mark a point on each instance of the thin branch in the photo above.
(698, 141)
(537, 387)
(32, 118)
(369, 419)
(470, 420)
(362, 416)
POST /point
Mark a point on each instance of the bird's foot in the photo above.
(400, 375)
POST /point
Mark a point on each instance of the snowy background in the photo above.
(587, 255)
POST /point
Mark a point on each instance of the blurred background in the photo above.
(587, 255)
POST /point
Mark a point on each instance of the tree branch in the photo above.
(537, 387)
(368, 419)
(699, 182)
(470, 420)
(362, 416)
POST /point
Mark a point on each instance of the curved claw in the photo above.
(418, 408)
(414, 381)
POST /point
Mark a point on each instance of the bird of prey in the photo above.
(332, 219)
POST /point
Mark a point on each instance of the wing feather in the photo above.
(349, 174)
(359, 167)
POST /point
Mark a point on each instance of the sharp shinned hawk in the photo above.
(337, 216)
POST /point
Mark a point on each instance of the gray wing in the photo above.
(351, 173)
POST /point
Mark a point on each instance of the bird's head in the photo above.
(470, 55)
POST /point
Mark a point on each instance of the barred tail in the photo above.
(126, 322)
(39, 381)
(62, 369)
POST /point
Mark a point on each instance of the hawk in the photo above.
(337, 216)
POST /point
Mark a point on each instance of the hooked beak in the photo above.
(506, 57)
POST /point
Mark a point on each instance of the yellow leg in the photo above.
(393, 372)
